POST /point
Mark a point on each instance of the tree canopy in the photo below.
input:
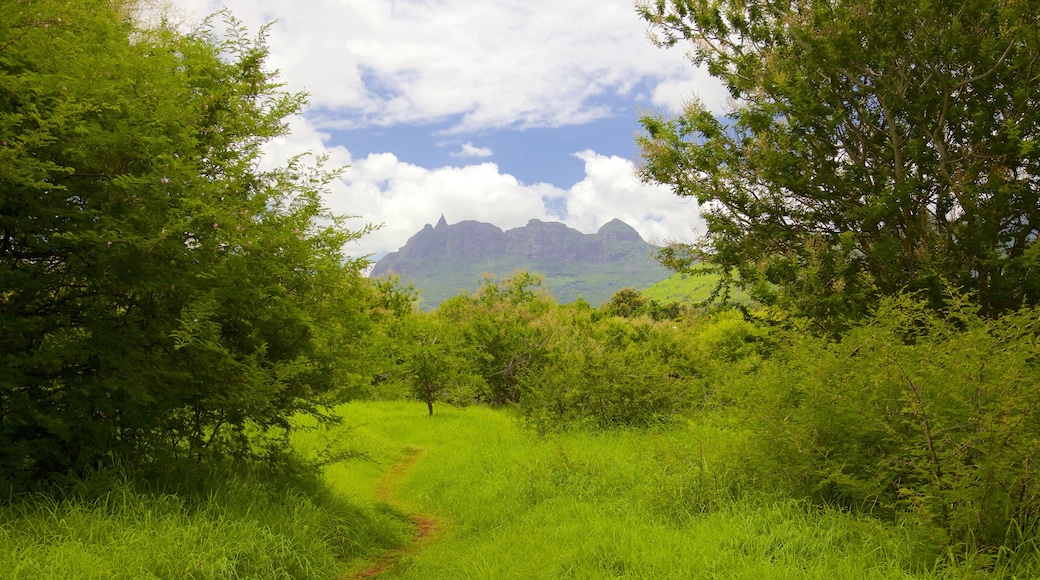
(872, 147)
(159, 292)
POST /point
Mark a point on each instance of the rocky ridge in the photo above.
(443, 260)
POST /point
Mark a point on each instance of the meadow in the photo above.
(177, 321)
(668, 502)
(501, 501)
(708, 447)
(229, 522)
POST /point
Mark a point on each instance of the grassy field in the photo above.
(498, 501)
(688, 289)
(664, 504)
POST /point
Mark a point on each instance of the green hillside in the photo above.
(688, 289)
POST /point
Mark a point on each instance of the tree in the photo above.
(438, 360)
(625, 303)
(506, 320)
(873, 147)
(159, 293)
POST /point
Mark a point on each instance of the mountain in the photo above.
(444, 260)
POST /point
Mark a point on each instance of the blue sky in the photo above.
(495, 110)
(532, 155)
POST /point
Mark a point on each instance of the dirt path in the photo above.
(425, 527)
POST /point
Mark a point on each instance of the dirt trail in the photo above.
(425, 527)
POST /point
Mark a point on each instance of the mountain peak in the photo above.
(617, 230)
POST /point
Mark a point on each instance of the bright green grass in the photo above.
(688, 289)
(239, 523)
(665, 504)
(670, 503)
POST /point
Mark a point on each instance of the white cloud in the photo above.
(380, 188)
(486, 65)
(611, 190)
(674, 94)
(404, 197)
(470, 150)
(507, 63)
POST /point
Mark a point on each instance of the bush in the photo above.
(607, 374)
(931, 415)
(506, 321)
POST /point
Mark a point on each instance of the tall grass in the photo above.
(670, 503)
(228, 522)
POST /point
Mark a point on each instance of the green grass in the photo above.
(239, 522)
(687, 289)
(671, 503)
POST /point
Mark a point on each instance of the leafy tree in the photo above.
(872, 147)
(439, 361)
(159, 293)
(506, 321)
(392, 310)
(625, 302)
(664, 311)
(393, 299)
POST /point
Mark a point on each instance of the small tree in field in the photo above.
(625, 302)
(505, 321)
(439, 362)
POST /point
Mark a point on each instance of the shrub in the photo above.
(160, 294)
(606, 374)
(506, 321)
(932, 415)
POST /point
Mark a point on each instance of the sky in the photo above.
(500, 111)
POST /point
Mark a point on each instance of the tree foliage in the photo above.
(872, 147)
(159, 292)
(505, 320)
(625, 303)
(439, 363)
(608, 372)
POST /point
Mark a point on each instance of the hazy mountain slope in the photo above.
(444, 260)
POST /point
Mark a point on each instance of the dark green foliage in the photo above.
(159, 294)
(667, 311)
(913, 413)
(874, 148)
(629, 302)
(609, 373)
